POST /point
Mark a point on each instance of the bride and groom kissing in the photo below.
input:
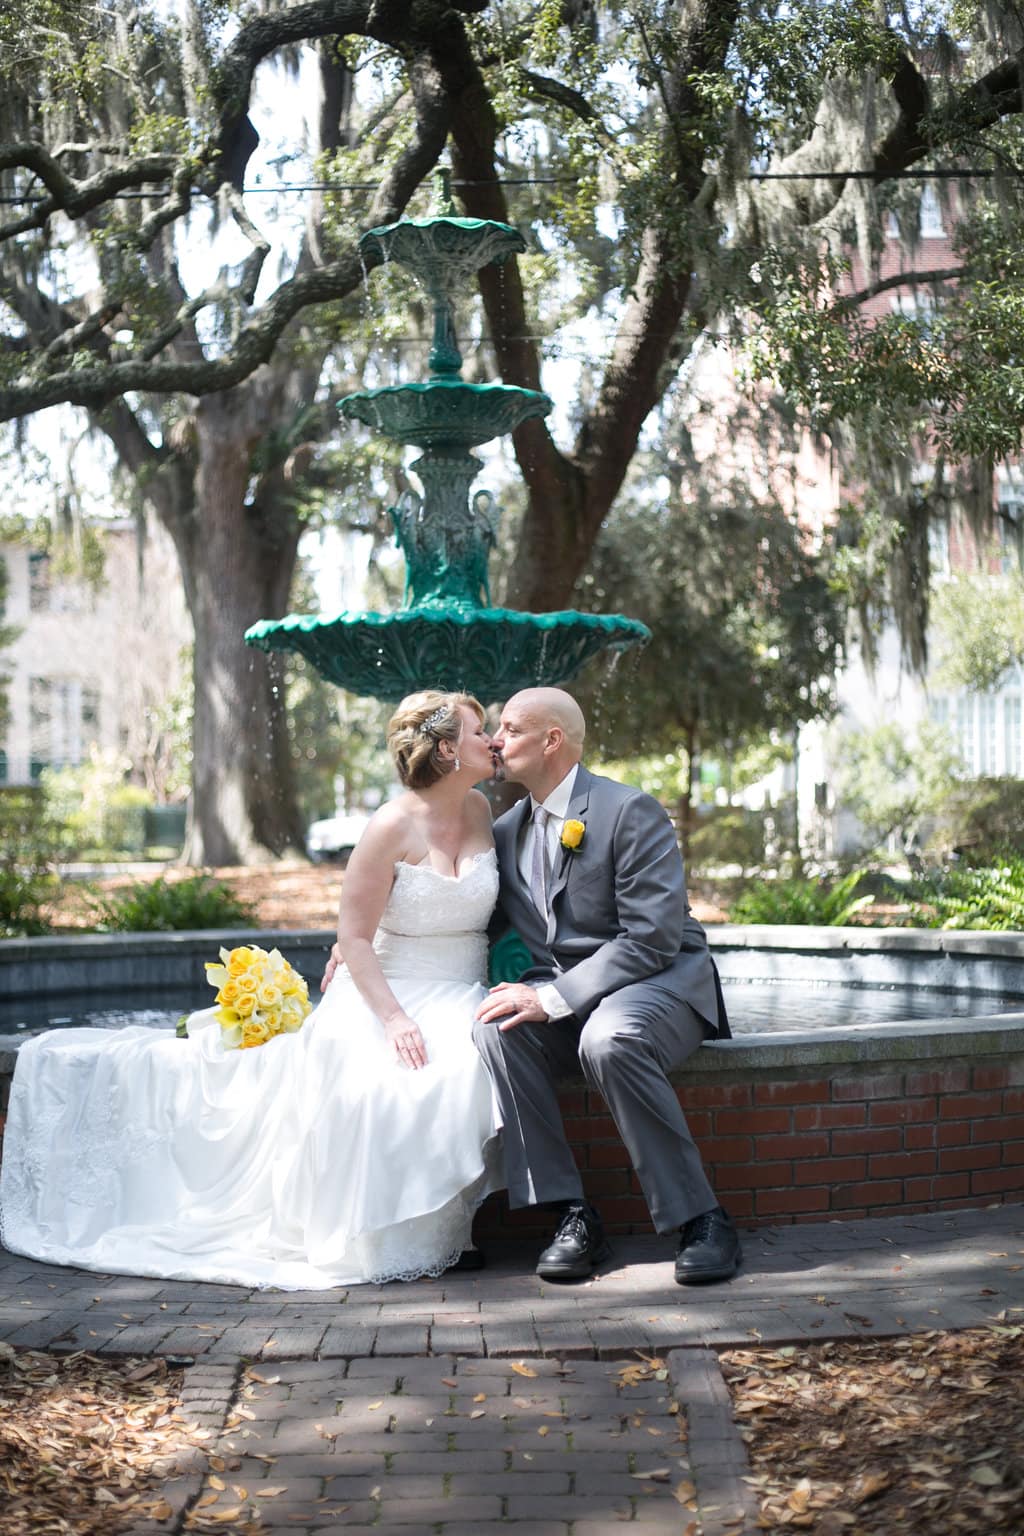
(359, 1148)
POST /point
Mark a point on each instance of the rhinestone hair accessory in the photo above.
(427, 726)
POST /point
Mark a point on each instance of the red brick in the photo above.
(900, 1165)
(793, 1093)
(573, 1102)
(917, 1136)
(889, 1086)
(600, 1182)
(939, 1080)
(726, 1149)
(867, 1140)
(830, 1170)
(825, 1117)
(749, 1122)
(630, 1209)
(583, 1129)
(990, 1077)
(608, 1154)
(903, 1112)
(1013, 1100)
(1014, 1152)
(770, 1147)
(954, 1133)
(700, 1122)
(754, 1175)
(741, 1204)
(870, 1192)
(969, 1106)
(716, 1095)
(999, 1128)
(954, 1159)
(774, 1202)
(991, 1181)
(943, 1186)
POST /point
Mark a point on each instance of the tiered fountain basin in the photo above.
(873, 1072)
(490, 652)
(445, 413)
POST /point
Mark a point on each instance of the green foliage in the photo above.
(8, 634)
(981, 817)
(161, 906)
(896, 782)
(728, 835)
(979, 621)
(829, 904)
(101, 815)
(30, 845)
(986, 896)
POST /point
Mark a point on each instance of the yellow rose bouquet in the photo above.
(259, 996)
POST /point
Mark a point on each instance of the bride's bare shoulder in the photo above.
(389, 831)
(480, 809)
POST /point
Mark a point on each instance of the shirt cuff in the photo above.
(552, 1001)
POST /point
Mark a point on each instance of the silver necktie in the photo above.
(539, 861)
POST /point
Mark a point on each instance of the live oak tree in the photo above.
(118, 128)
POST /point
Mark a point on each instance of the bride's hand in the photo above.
(335, 959)
(408, 1044)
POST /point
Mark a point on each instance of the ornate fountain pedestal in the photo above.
(447, 636)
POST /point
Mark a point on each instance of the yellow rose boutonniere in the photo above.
(572, 835)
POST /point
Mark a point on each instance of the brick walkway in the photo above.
(450, 1406)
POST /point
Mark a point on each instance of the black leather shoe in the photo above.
(577, 1246)
(709, 1249)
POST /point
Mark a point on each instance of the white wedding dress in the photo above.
(315, 1160)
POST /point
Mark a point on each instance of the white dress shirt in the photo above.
(556, 805)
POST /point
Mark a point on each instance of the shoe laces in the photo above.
(574, 1224)
(699, 1228)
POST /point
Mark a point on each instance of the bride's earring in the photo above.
(456, 765)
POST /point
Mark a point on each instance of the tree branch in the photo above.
(900, 280)
(72, 197)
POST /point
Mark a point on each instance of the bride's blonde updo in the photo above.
(416, 730)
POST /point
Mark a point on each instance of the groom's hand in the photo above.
(511, 1002)
(336, 958)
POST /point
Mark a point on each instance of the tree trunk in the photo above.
(240, 564)
(686, 798)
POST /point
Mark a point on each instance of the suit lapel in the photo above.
(576, 811)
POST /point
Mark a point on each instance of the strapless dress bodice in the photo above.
(435, 925)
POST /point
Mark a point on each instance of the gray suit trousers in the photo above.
(630, 1041)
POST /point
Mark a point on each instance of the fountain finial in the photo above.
(444, 203)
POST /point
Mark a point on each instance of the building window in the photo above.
(63, 722)
(1012, 760)
(39, 583)
(987, 716)
(931, 225)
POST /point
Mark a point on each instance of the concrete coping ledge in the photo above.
(774, 1052)
(722, 936)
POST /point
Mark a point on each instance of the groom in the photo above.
(622, 985)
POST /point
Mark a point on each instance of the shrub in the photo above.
(160, 905)
(829, 905)
(729, 835)
(104, 817)
(971, 896)
(983, 816)
(29, 850)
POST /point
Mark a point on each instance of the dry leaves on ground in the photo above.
(87, 1445)
(918, 1435)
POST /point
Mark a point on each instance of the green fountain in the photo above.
(447, 636)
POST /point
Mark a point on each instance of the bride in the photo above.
(354, 1150)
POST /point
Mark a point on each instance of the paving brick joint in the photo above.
(494, 1400)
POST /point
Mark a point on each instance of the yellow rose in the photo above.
(240, 960)
(245, 1006)
(572, 835)
(247, 982)
(253, 1034)
(228, 994)
(269, 996)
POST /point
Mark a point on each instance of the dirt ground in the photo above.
(287, 895)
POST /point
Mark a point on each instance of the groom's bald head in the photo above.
(546, 707)
(540, 738)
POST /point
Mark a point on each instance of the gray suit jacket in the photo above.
(618, 907)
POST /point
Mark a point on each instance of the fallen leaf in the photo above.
(522, 1370)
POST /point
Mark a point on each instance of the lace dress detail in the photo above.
(316, 1160)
